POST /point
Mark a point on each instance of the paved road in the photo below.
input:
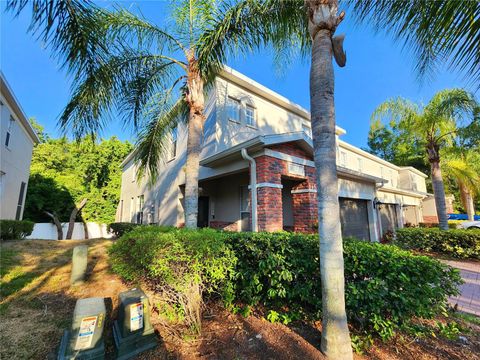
(469, 298)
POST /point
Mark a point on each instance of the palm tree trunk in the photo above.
(439, 194)
(196, 102)
(336, 342)
(467, 200)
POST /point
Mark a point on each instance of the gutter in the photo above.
(253, 186)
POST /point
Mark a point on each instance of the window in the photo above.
(121, 210)
(132, 209)
(174, 143)
(140, 204)
(233, 109)
(9, 132)
(360, 165)
(250, 116)
(343, 158)
(18, 215)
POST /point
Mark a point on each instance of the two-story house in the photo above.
(17, 141)
(256, 139)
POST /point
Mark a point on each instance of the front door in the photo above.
(202, 219)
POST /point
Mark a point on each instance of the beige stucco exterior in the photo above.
(362, 175)
(15, 154)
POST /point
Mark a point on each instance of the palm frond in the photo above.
(152, 142)
(437, 31)
(244, 26)
(70, 28)
(125, 83)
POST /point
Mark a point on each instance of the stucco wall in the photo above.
(14, 162)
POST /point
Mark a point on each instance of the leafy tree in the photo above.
(39, 129)
(393, 143)
(434, 126)
(63, 173)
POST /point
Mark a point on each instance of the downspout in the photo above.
(253, 187)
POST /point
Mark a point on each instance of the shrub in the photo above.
(458, 243)
(15, 229)
(120, 228)
(181, 265)
(385, 286)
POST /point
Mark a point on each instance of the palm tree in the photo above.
(435, 126)
(463, 166)
(139, 69)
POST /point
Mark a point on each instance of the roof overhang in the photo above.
(357, 175)
(12, 101)
(256, 144)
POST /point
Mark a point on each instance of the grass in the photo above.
(37, 302)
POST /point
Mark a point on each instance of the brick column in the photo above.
(269, 194)
(304, 195)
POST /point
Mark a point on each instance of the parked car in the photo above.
(469, 225)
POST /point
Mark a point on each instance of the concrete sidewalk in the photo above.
(469, 298)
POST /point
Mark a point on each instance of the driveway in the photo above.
(469, 298)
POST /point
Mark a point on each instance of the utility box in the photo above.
(84, 340)
(79, 264)
(132, 331)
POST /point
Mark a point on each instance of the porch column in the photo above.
(269, 194)
(305, 211)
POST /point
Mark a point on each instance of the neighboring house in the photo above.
(246, 117)
(17, 140)
(429, 209)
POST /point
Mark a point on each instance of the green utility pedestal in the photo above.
(84, 340)
(132, 331)
(79, 264)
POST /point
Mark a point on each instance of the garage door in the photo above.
(354, 218)
(388, 217)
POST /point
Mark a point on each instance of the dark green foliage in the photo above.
(385, 286)
(454, 242)
(174, 257)
(63, 172)
(15, 229)
(120, 228)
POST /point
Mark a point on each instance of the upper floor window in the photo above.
(343, 158)
(9, 132)
(233, 109)
(250, 115)
(174, 143)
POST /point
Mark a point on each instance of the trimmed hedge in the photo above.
(15, 229)
(120, 228)
(385, 285)
(458, 243)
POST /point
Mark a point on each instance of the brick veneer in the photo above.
(269, 199)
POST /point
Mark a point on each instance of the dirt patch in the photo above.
(39, 303)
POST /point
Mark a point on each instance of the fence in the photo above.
(48, 231)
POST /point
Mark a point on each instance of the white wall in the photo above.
(14, 162)
(48, 231)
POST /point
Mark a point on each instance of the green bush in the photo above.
(182, 265)
(451, 225)
(120, 228)
(458, 243)
(15, 229)
(385, 286)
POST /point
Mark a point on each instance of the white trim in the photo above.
(402, 192)
(267, 184)
(286, 157)
(302, 191)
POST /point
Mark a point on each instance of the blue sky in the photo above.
(377, 69)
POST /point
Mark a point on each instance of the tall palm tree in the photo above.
(435, 125)
(138, 69)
